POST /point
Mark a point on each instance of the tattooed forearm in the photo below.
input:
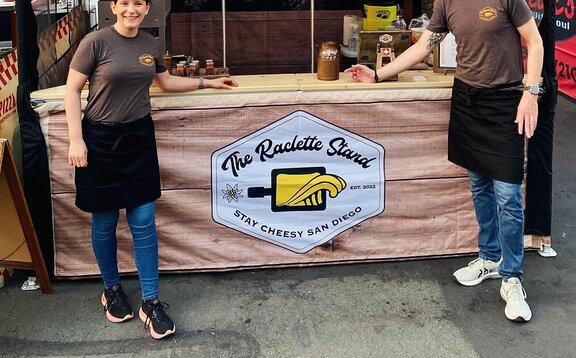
(434, 40)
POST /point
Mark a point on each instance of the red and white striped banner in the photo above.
(62, 28)
(8, 87)
(62, 38)
(8, 69)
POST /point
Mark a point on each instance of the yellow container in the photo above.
(377, 18)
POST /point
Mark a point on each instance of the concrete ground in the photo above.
(392, 309)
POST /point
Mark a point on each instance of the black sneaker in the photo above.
(116, 304)
(156, 321)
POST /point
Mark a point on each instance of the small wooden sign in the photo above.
(19, 246)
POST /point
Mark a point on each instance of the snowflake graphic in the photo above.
(232, 193)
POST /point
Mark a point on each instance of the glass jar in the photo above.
(193, 69)
(180, 70)
(209, 67)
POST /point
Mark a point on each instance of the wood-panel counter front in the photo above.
(428, 210)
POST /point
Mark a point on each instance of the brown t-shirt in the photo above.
(488, 45)
(120, 71)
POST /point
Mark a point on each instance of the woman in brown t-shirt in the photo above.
(113, 150)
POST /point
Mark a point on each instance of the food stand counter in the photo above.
(428, 211)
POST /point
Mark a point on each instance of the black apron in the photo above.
(482, 136)
(122, 166)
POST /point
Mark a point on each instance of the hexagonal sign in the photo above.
(297, 182)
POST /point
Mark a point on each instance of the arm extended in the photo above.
(169, 83)
(405, 61)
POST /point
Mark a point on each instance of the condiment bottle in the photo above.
(180, 70)
(193, 69)
(168, 61)
(197, 67)
(209, 67)
(399, 23)
(353, 40)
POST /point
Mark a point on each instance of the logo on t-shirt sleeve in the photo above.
(147, 60)
(488, 14)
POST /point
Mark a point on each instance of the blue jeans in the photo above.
(500, 215)
(143, 227)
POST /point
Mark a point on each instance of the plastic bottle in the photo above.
(353, 40)
(399, 23)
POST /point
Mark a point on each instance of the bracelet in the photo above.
(201, 83)
(376, 79)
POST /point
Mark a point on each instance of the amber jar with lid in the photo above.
(328, 61)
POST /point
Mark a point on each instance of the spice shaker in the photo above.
(168, 61)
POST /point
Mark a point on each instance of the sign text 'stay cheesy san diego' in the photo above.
(297, 182)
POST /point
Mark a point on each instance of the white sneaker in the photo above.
(477, 271)
(516, 307)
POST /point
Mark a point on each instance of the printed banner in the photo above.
(9, 123)
(62, 37)
(8, 87)
(565, 42)
(566, 67)
(77, 24)
(566, 47)
(298, 182)
(46, 45)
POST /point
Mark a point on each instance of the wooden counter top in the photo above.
(246, 84)
(290, 83)
(407, 79)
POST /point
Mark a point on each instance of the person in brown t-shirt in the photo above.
(113, 150)
(491, 111)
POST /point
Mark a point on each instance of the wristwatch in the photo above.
(201, 83)
(533, 89)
